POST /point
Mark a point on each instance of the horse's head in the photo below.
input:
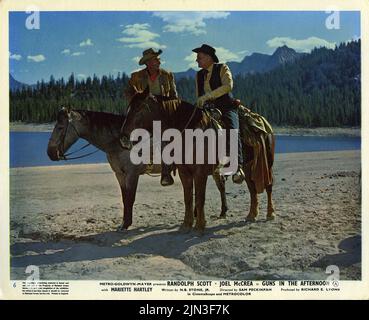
(142, 111)
(65, 133)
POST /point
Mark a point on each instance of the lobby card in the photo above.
(80, 220)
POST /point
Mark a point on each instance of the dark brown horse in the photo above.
(103, 130)
(180, 115)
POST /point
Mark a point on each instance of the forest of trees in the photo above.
(322, 88)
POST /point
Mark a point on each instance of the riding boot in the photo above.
(166, 178)
(231, 121)
(239, 176)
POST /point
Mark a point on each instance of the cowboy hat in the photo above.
(207, 50)
(147, 55)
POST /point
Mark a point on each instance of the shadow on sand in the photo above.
(156, 240)
(351, 256)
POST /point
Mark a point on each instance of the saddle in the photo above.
(252, 125)
(215, 116)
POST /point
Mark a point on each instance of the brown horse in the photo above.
(177, 114)
(103, 130)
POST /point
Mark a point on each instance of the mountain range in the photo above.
(15, 85)
(255, 63)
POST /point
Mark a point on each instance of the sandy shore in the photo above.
(63, 219)
(324, 131)
(347, 132)
(31, 127)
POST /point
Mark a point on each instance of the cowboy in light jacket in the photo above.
(160, 82)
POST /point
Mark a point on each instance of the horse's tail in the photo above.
(270, 148)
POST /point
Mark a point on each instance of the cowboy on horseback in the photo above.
(214, 84)
(160, 82)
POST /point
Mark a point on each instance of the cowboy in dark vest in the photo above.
(214, 83)
(160, 82)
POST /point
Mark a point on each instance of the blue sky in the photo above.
(108, 42)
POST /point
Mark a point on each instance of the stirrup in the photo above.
(239, 176)
(125, 143)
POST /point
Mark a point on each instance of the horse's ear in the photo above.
(65, 110)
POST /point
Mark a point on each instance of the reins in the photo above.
(79, 157)
(64, 157)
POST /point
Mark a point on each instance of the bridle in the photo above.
(146, 105)
(64, 134)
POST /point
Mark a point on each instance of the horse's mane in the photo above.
(100, 119)
(181, 111)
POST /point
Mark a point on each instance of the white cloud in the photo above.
(15, 56)
(136, 59)
(78, 53)
(145, 45)
(243, 52)
(37, 58)
(86, 43)
(304, 45)
(192, 60)
(65, 51)
(138, 36)
(223, 54)
(190, 22)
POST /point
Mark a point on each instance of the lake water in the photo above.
(28, 149)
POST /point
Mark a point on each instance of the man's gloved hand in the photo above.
(202, 100)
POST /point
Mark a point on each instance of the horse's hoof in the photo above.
(184, 229)
(122, 228)
(199, 232)
(223, 213)
(250, 219)
(270, 217)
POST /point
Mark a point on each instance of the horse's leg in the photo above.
(270, 143)
(122, 183)
(220, 182)
(270, 214)
(254, 205)
(129, 199)
(187, 183)
(200, 188)
(128, 186)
